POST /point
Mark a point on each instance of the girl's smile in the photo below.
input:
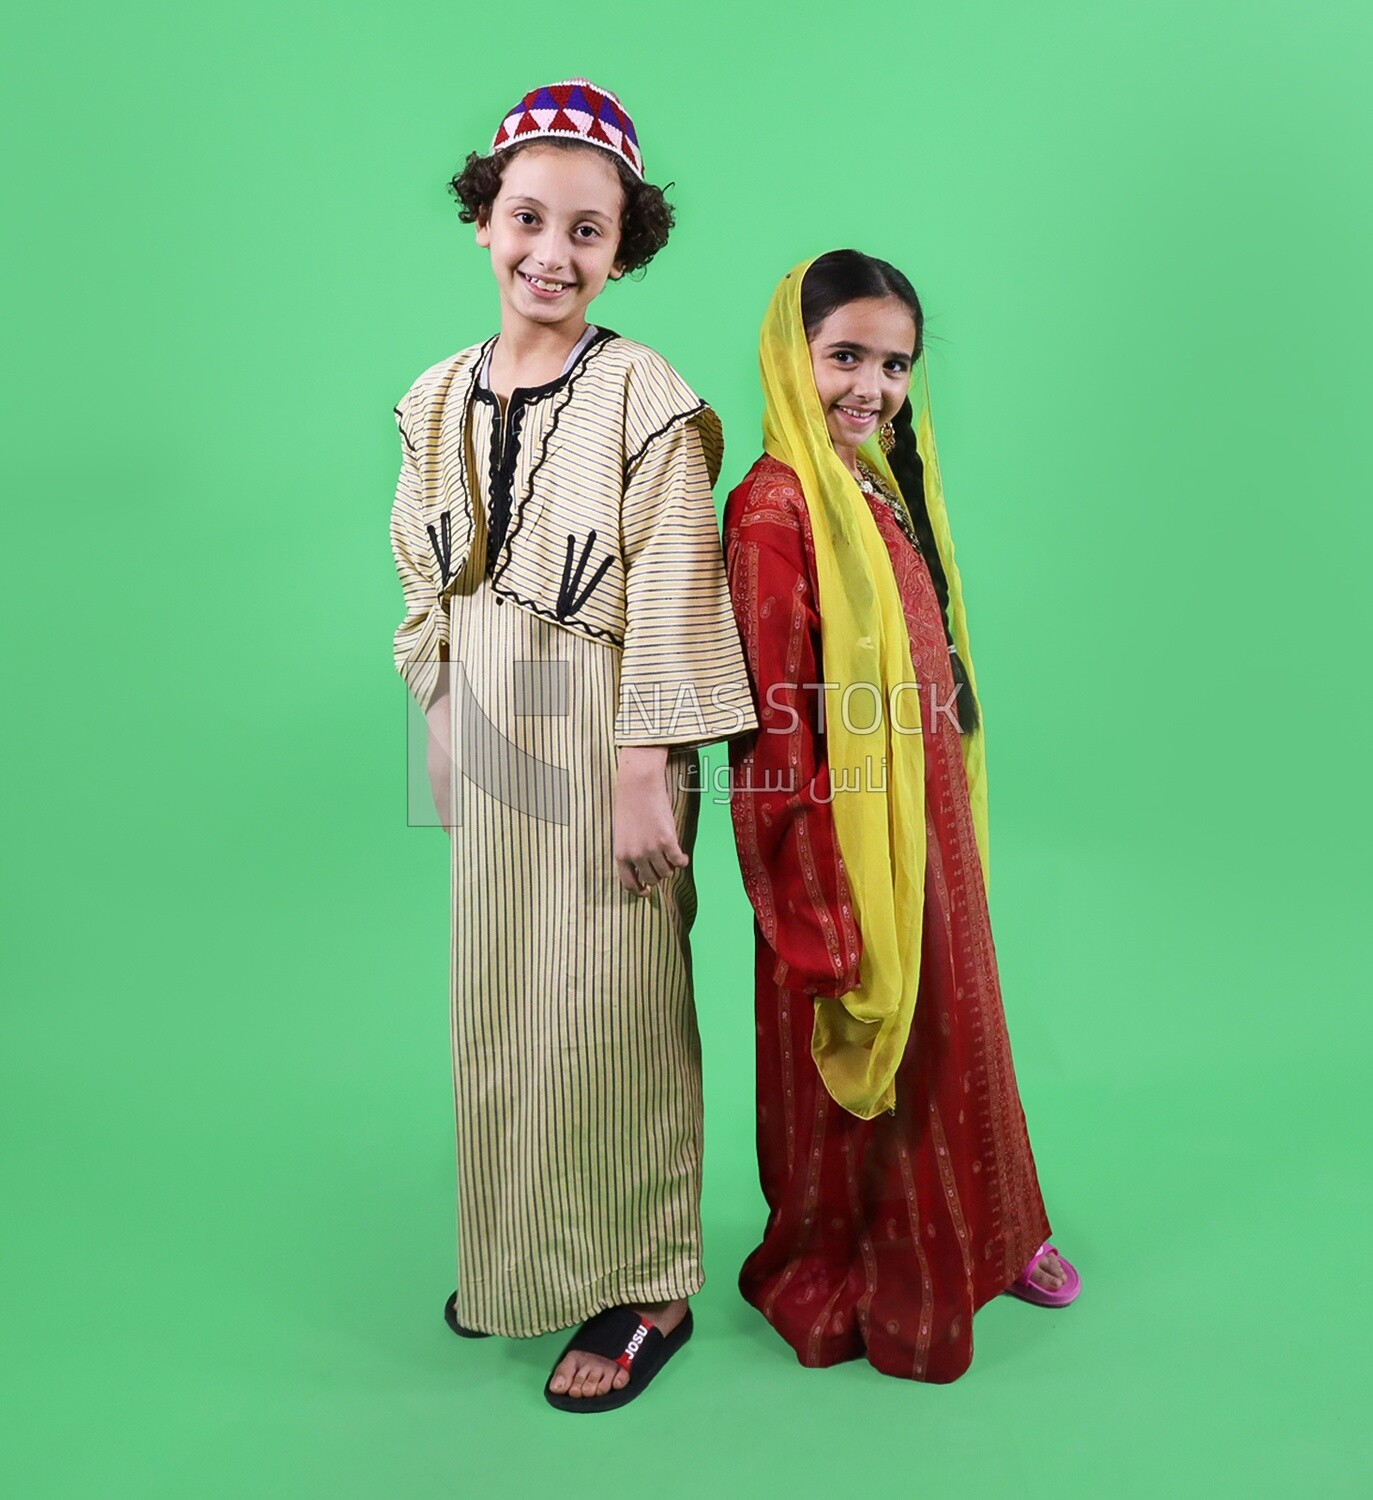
(861, 358)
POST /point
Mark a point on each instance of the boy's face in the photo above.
(553, 233)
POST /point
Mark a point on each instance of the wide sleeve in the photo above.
(780, 783)
(682, 673)
(421, 641)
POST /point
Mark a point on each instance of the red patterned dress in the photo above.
(883, 1236)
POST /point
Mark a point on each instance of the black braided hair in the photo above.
(909, 472)
(833, 280)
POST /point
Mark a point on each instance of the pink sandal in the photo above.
(1029, 1291)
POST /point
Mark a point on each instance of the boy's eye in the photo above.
(524, 216)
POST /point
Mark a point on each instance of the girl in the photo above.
(892, 1146)
(568, 632)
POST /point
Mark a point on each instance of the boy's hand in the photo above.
(646, 846)
(440, 758)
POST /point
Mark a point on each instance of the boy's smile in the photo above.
(546, 287)
(553, 232)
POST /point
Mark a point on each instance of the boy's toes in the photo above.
(593, 1378)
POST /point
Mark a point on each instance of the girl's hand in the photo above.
(646, 846)
(440, 758)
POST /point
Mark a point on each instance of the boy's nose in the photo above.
(549, 257)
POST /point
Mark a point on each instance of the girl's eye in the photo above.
(588, 231)
(897, 366)
(841, 355)
(524, 216)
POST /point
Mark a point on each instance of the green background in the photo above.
(1142, 236)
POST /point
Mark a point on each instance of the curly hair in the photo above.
(645, 220)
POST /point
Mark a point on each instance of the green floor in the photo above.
(241, 1182)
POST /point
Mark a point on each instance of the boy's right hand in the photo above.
(440, 758)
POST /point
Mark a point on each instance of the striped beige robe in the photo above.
(562, 569)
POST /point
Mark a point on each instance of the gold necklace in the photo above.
(871, 484)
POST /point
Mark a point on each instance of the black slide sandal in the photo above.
(450, 1316)
(633, 1342)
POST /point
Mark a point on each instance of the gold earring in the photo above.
(886, 437)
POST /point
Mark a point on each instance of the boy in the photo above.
(570, 636)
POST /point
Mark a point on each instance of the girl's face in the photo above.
(553, 232)
(861, 356)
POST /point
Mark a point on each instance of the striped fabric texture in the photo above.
(576, 1060)
(601, 521)
(564, 582)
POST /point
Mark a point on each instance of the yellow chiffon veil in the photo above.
(878, 772)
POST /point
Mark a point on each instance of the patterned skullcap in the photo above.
(576, 110)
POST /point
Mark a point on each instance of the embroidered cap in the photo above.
(575, 110)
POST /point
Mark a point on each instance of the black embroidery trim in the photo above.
(443, 549)
(501, 478)
(571, 594)
(548, 614)
(475, 392)
(595, 347)
(666, 427)
(464, 485)
(404, 436)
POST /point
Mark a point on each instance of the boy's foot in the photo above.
(583, 1376)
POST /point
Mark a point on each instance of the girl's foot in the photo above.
(1049, 1273)
(580, 1375)
(1048, 1280)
